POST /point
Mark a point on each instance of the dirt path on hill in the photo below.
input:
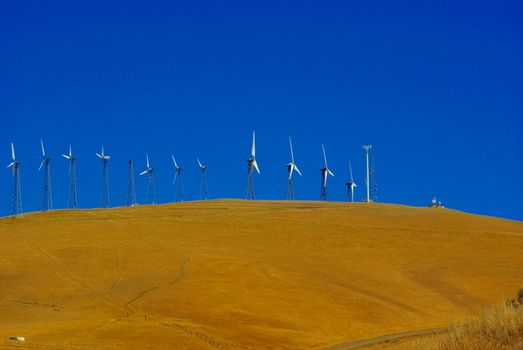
(366, 343)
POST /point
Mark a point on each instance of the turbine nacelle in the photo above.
(200, 165)
(45, 157)
(70, 155)
(148, 170)
(102, 156)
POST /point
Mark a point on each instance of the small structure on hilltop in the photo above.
(435, 203)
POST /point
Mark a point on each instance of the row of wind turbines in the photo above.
(72, 196)
(291, 167)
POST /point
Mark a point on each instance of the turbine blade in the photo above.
(291, 169)
(66, 156)
(256, 166)
(324, 156)
(103, 153)
(144, 172)
(292, 153)
(330, 172)
(175, 177)
(199, 163)
(43, 149)
(13, 152)
(297, 170)
(324, 179)
(10, 165)
(99, 155)
(253, 150)
(41, 164)
(70, 151)
(175, 164)
(350, 169)
(147, 156)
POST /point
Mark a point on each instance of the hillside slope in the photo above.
(248, 275)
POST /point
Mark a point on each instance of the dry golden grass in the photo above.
(248, 275)
(500, 328)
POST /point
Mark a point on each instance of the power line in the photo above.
(128, 58)
(202, 67)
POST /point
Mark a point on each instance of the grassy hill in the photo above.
(230, 274)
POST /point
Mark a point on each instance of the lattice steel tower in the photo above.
(151, 194)
(203, 181)
(104, 193)
(130, 199)
(178, 182)
(72, 196)
(16, 199)
(47, 194)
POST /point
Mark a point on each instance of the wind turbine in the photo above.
(72, 196)
(151, 195)
(178, 181)
(104, 194)
(47, 195)
(325, 172)
(203, 180)
(16, 204)
(252, 164)
(290, 168)
(351, 185)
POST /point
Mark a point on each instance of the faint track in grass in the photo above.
(209, 340)
(138, 297)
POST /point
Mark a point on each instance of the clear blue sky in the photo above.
(435, 86)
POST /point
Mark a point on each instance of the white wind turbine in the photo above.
(104, 195)
(47, 194)
(151, 195)
(204, 193)
(290, 169)
(16, 205)
(178, 181)
(325, 172)
(351, 185)
(252, 164)
(72, 196)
